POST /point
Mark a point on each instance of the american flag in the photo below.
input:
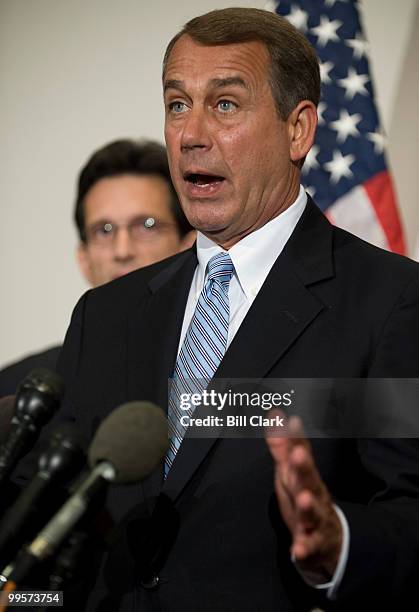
(346, 171)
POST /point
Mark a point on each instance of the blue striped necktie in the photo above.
(203, 347)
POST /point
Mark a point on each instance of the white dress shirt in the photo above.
(253, 258)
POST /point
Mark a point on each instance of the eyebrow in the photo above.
(217, 83)
(228, 81)
(173, 84)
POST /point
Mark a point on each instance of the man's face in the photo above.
(229, 151)
(124, 203)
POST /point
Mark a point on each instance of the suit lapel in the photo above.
(156, 323)
(284, 306)
(283, 309)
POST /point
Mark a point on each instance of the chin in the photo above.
(208, 213)
(208, 222)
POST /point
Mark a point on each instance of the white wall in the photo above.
(76, 74)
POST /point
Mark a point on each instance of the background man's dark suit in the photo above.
(12, 375)
(332, 306)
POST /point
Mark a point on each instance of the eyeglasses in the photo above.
(140, 229)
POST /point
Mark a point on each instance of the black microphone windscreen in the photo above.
(38, 397)
(66, 451)
(134, 438)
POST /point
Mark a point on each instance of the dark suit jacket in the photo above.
(12, 375)
(211, 537)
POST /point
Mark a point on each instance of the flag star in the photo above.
(339, 166)
(379, 140)
(346, 125)
(354, 83)
(298, 18)
(359, 45)
(270, 5)
(325, 68)
(320, 110)
(326, 31)
(311, 159)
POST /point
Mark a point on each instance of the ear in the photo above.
(302, 124)
(83, 261)
(187, 240)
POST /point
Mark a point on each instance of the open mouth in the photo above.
(202, 180)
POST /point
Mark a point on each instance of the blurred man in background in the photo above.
(127, 215)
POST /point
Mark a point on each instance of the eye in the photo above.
(226, 106)
(104, 229)
(100, 233)
(140, 226)
(177, 107)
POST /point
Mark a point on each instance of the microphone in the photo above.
(7, 404)
(127, 446)
(37, 399)
(61, 461)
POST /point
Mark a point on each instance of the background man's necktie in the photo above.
(203, 347)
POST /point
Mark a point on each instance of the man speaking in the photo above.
(271, 290)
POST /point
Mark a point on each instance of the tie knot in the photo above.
(221, 269)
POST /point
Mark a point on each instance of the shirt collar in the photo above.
(255, 254)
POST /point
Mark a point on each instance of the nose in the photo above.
(123, 248)
(196, 133)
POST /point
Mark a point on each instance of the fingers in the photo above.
(281, 440)
(303, 471)
(306, 547)
(294, 465)
(293, 428)
(309, 511)
(318, 536)
(304, 500)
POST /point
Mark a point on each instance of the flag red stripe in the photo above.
(381, 193)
